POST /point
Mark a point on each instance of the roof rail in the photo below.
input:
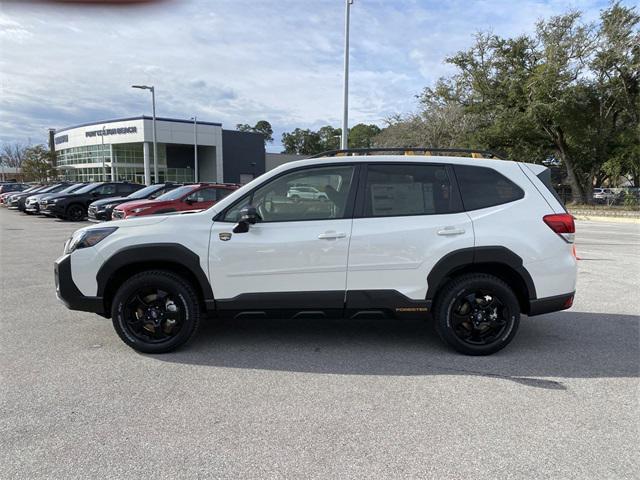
(406, 151)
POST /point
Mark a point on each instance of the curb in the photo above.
(601, 218)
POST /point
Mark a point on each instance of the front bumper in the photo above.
(33, 208)
(68, 293)
(52, 209)
(95, 215)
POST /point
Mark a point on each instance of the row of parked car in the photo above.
(104, 201)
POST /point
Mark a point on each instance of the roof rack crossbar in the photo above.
(406, 151)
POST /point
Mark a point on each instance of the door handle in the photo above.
(451, 231)
(331, 235)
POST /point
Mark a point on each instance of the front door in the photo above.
(295, 257)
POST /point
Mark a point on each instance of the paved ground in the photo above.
(293, 399)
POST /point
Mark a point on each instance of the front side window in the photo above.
(483, 187)
(108, 189)
(311, 194)
(408, 189)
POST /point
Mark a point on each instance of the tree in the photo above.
(12, 154)
(302, 142)
(362, 135)
(569, 91)
(37, 165)
(261, 126)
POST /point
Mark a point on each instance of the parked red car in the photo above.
(198, 196)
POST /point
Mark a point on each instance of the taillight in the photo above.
(562, 224)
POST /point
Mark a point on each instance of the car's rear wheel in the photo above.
(477, 314)
(75, 212)
(155, 311)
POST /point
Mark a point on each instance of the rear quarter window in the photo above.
(482, 187)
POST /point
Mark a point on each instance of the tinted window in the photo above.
(204, 195)
(482, 187)
(403, 189)
(545, 178)
(222, 192)
(126, 188)
(107, 189)
(280, 200)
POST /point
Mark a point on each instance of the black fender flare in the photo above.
(155, 252)
(466, 257)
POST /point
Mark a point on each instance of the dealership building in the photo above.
(119, 149)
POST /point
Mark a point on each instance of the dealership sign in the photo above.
(111, 131)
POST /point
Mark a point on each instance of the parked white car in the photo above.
(472, 242)
(306, 193)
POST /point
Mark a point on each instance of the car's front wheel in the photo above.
(75, 212)
(477, 314)
(155, 311)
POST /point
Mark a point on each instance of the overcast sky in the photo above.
(237, 61)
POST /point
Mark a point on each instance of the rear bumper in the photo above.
(68, 293)
(551, 304)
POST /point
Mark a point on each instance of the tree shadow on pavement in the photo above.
(561, 345)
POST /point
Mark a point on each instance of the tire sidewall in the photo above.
(445, 307)
(71, 208)
(181, 295)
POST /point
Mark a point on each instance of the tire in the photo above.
(152, 333)
(75, 212)
(469, 322)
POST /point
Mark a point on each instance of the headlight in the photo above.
(87, 238)
(54, 200)
(139, 209)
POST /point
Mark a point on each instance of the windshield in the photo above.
(145, 192)
(88, 188)
(177, 193)
(72, 188)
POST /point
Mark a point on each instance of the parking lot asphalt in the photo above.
(319, 399)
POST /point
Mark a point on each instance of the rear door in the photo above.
(408, 217)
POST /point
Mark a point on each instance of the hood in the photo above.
(106, 201)
(129, 223)
(144, 203)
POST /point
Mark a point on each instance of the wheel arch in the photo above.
(493, 260)
(175, 258)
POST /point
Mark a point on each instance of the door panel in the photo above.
(280, 257)
(397, 253)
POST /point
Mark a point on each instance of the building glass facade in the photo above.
(123, 161)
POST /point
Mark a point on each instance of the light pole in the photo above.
(195, 148)
(345, 114)
(147, 175)
(104, 168)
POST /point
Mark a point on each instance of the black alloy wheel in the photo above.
(75, 213)
(155, 311)
(477, 314)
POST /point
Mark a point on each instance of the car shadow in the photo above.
(559, 345)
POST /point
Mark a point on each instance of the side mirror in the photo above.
(248, 216)
(188, 201)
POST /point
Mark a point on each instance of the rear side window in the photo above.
(482, 187)
(545, 178)
(408, 189)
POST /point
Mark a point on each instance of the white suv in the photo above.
(474, 242)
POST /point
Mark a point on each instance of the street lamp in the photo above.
(345, 114)
(147, 175)
(195, 148)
